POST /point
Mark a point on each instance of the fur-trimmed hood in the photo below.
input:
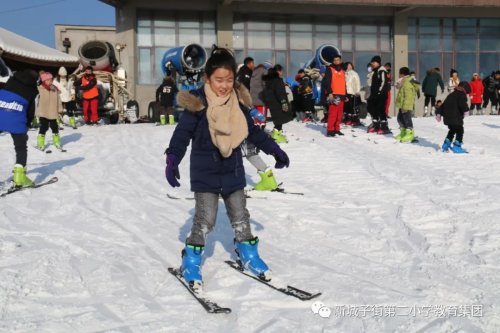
(195, 101)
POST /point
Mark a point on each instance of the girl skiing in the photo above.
(216, 122)
(49, 105)
(17, 100)
(453, 110)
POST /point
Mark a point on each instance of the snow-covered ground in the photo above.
(397, 237)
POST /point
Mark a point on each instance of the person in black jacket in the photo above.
(378, 98)
(165, 96)
(245, 73)
(491, 91)
(276, 100)
(17, 109)
(453, 110)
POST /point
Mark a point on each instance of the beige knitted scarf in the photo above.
(226, 122)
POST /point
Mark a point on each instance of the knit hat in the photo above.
(45, 76)
(376, 59)
(62, 71)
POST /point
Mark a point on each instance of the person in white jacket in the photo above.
(351, 106)
(67, 94)
(454, 80)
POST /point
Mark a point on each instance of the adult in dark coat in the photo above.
(453, 110)
(17, 109)
(491, 91)
(245, 73)
(276, 100)
(429, 88)
(379, 86)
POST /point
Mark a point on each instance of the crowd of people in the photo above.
(342, 96)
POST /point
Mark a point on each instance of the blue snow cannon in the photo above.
(322, 58)
(185, 64)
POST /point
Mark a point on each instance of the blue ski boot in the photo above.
(190, 268)
(249, 259)
(446, 145)
(457, 148)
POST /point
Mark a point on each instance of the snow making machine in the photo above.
(115, 101)
(322, 58)
(186, 65)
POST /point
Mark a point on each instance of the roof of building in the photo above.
(23, 49)
(397, 3)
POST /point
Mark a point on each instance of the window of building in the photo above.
(293, 41)
(466, 44)
(158, 31)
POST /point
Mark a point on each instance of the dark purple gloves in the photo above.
(172, 170)
(281, 158)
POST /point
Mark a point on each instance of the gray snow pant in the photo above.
(404, 119)
(252, 154)
(206, 215)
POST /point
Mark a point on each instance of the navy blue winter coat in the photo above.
(17, 102)
(210, 172)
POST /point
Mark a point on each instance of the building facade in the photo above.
(69, 38)
(420, 34)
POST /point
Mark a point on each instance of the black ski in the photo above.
(207, 304)
(278, 190)
(62, 150)
(288, 290)
(282, 190)
(17, 189)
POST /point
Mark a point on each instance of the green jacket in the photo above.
(405, 99)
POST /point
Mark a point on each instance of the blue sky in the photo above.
(35, 19)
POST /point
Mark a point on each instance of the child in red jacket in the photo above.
(476, 95)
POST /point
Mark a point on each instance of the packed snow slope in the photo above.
(397, 237)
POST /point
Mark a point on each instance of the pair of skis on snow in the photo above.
(212, 307)
(52, 180)
(15, 189)
(48, 151)
(247, 194)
